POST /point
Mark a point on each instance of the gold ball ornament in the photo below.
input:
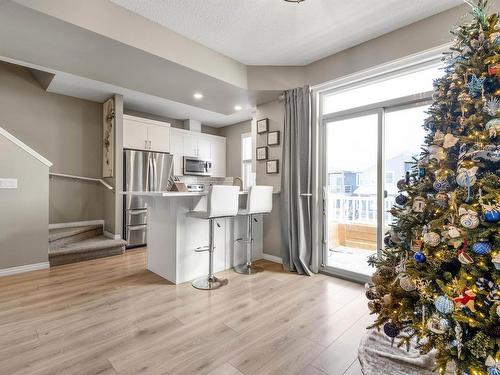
(387, 299)
(377, 279)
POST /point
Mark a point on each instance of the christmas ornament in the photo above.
(406, 283)
(492, 106)
(401, 199)
(374, 306)
(421, 172)
(491, 213)
(419, 257)
(453, 232)
(493, 127)
(418, 204)
(438, 138)
(441, 199)
(444, 305)
(481, 248)
(436, 152)
(432, 239)
(449, 141)
(401, 184)
(377, 279)
(371, 293)
(468, 218)
(498, 310)
(388, 241)
(441, 185)
(493, 365)
(466, 299)
(496, 261)
(475, 85)
(416, 245)
(463, 257)
(467, 177)
(387, 299)
(391, 330)
(495, 39)
(438, 325)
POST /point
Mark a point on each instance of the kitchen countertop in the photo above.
(174, 194)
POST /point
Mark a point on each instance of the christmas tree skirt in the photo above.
(377, 356)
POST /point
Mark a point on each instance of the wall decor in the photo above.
(272, 166)
(261, 153)
(262, 125)
(108, 138)
(273, 138)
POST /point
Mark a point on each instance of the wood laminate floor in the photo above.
(112, 316)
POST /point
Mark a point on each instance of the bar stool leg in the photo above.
(210, 282)
(249, 268)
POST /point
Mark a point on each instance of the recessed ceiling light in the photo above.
(237, 108)
(294, 1)
(198, 96)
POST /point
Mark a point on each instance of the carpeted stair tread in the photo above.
(87, 245)
(66, 233)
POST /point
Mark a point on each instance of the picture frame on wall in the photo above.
(262, 125)
(272, 166)
(261, 153)
(273, 138)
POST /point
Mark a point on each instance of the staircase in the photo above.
(76, 244)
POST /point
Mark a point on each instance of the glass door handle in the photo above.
(385, 193)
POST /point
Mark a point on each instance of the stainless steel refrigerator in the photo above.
(143, 171)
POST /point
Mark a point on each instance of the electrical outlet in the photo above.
(8, 183)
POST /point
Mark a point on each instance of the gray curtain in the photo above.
(296, 181)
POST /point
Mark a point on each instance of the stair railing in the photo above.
(73, 177)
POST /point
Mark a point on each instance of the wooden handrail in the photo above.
(82, 178)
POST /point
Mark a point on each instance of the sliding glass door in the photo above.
(351, 192)
(366, 154)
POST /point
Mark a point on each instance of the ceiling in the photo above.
(274, 32)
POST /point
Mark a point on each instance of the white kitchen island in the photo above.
(173, 236)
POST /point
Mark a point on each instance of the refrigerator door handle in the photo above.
(150, 173)
(155, 174)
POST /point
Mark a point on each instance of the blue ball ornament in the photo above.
(481, 248)
(419, 257)
(444, 305)
(391, 330)
(492, 216)
(441, 185)
(493, 371)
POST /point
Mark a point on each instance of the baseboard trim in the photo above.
(112, 236)
(22, 269)
(272, 258)
(76, 224)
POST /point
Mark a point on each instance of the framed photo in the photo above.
(262, 125)
(272, 166)
(273, 138)
(262, 153)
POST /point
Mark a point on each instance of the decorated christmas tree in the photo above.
(436, 284)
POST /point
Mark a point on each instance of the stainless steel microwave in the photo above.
(197, 166)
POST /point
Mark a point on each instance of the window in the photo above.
(382, 89)
(247, 175)
(389, 177)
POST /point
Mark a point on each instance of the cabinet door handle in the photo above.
(150, 145)
(146, 144)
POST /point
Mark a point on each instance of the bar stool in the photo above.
(222, 202)
(259, 201)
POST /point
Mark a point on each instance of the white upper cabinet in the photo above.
(218, 156)
(177, 149)
(144, 134)
(206, 146)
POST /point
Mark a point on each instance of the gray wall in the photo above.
(25, 211)
(274, 111)
(65, 130)
(233, 146)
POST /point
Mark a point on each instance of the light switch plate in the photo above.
(8, 183)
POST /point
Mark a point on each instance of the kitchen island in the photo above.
(173, 236)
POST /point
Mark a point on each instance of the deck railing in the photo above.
(360, 210)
